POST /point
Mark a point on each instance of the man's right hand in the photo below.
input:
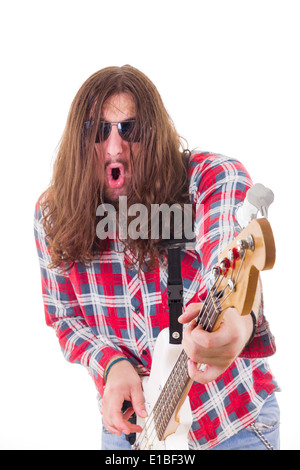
(123, 383)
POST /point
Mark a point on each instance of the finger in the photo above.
(138, 402)
(191, 326)
(128, 413)
(113, 423)
(113, 430)
(128, 428)
(204, 374)
(111, 413)
(194, 343)
(215, 340)
(120, 424)
(131, 427)
(191, 312)
(201, 345)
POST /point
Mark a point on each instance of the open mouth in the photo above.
(115, 175)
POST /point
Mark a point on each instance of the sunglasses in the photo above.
(127, 130)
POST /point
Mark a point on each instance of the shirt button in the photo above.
(144, 352)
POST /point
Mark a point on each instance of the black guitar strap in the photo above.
(175, 293)
(175, 285)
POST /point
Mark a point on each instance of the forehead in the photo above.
(118, 107)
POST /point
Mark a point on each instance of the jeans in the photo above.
(267, 423)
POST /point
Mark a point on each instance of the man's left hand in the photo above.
(218, 349)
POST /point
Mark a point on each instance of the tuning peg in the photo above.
(258, 198)
(245, 244)
(261, 197)
(224, 266)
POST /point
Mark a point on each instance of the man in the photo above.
(106, 294)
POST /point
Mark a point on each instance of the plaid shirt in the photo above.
(106, 309)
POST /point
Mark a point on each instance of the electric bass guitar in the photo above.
(234, 285)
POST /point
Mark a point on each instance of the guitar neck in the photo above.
(179, 382)
(173, 393)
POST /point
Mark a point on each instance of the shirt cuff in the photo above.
(98, 364)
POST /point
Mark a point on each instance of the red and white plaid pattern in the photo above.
(105, 309)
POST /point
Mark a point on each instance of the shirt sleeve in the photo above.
(218, 186)
(63, 313)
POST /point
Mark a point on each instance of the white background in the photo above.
(228, 72)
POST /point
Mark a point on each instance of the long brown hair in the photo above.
(158, 176)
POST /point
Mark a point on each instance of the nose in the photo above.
(114, 143)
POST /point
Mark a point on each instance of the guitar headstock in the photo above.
(237, 273)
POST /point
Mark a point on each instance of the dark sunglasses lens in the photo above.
(103, 131)
(128, 131)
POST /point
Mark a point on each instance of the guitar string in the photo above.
(208, 304)
(236, 279)
(180, 363)
(207, 307)
(226, 286)
(151, 421)
(172, 385)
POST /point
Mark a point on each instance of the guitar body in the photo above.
(175, 436)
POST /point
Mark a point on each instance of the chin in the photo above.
(112, 195)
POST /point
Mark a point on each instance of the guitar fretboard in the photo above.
(179, 379)
(171, 394)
